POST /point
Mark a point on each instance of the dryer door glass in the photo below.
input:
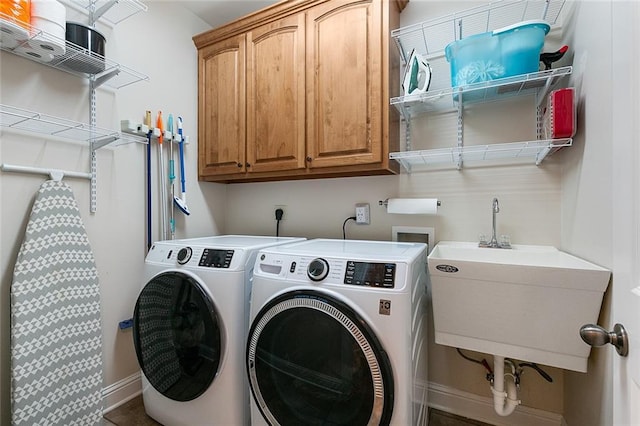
(177, 336)
(312, 360)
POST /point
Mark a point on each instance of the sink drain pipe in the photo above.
(504, 401)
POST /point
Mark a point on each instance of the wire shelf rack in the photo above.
(456, 156)
(24, 120)
(537, 82)
(432, 36)
(40, 46)
(73, 59)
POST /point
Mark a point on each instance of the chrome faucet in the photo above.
(493, 243)
(495, 209)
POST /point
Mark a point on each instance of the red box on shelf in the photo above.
(559, 118)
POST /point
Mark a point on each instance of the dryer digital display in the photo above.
(370, 274)
(216, 258)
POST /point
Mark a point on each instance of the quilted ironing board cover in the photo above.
(56, 338)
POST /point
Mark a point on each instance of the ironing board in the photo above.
(56, 338)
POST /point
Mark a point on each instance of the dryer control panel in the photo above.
(351, 272)
(212, 258)
(331, 271)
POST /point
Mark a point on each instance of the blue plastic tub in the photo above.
(501, 53)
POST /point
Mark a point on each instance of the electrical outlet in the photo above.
(279, 207)
(362, 214)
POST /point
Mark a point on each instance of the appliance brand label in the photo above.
(447, 268)
(384, 307)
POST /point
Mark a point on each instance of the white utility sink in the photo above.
(527, 302)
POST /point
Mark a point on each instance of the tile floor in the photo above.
(132, 414)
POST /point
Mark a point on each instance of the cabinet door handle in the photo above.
(308, 159)
(248, 165)
(239, 165)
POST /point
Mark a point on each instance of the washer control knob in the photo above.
(318, 269)
(184, 255)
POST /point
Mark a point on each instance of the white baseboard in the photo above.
(121, 391)
(480, 408)
(441, 397)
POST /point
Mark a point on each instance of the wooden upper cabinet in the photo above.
(344, 77)
(276, 96)
(299, 90)
(221, 108)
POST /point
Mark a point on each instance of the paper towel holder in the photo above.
(385, 202)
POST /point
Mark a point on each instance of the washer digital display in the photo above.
(370, 274)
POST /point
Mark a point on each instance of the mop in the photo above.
(163, 183)
(147, 121)
(172, 176)
(181, 202)
(56, 332)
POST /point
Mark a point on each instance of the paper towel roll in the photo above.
(34, 51)
(412, 205)
(48, 23)
(46, 43)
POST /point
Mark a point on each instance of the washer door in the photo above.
(312, 360)
(177, 336)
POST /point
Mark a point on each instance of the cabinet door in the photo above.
(221, 107)
(276, 96)
(344, 78)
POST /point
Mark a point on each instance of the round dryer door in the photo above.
(312, 360)
(177, 336)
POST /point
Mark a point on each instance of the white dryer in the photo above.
(189, 329)
(338, 334)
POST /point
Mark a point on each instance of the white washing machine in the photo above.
(338, 334)
(189, 328)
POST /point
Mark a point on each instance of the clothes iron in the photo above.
(417, 75)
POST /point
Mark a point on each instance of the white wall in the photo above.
(587, 203)
(158, 44)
